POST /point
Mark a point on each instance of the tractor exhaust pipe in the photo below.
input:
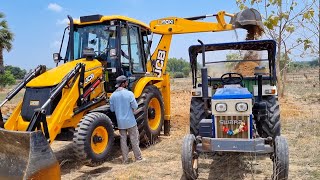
(204, 78)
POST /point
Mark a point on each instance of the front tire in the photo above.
(189, 157)
(150, 114)
(197, 113)
(280, 159)
(93, 138)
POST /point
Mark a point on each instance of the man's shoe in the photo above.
(125, 162)
(141, 159)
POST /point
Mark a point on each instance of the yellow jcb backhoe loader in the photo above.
(70, 102)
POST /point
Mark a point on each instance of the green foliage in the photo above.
(6, 36)
(178, 66)
(232, 56)
(6, 79)
(17, 72)
(292, 66)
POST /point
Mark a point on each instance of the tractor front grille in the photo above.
(227, 127)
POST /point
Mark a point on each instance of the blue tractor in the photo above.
(235, 107)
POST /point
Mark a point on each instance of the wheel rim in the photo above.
(154, 114)
(99, 139)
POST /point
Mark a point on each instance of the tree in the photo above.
(6, 38)
(232, 56)
(178, 66)
(281, 19)
(6, 78)
(17, 72)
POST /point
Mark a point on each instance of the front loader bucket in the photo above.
(26, 155)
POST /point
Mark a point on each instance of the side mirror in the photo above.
(56, 57)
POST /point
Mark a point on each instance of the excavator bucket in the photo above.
(249, 19)
(26, 155)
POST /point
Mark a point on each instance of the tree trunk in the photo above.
(1, 61)
(284, 76)
(279, 41)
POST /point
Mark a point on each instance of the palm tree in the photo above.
(6, 37)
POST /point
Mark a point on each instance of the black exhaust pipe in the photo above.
(71, 38)
(204, 73)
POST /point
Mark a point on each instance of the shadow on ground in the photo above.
(227, 166)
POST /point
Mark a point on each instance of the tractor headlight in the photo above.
(241, 107)
(221, 107)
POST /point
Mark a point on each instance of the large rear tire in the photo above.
(280, 159)
(150, 114)
(189, 157)
(271, 126)
(197, 113)
(93, 138)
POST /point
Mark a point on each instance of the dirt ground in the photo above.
(300, 117)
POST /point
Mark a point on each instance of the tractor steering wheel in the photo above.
(231, 78)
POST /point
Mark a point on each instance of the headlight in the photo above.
(241, 107)
(221, 107)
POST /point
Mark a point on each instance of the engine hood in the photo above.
(232, 93)
(54, 76)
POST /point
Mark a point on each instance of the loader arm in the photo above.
(169, 26)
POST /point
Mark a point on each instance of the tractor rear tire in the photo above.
(149, 114)
(280, 159)
(197, 113)
(93, 138)
(189, 157)
(271, 126)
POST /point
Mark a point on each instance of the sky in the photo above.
(38, 25)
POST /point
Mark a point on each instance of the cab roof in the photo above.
(100, 18)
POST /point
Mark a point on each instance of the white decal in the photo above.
(160, 62)
(89, 78)
(167, 21)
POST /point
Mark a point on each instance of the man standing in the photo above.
(123, 103)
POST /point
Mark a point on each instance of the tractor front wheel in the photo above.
(150, 114)
(93, 138)
(189, 157)
(280, 159)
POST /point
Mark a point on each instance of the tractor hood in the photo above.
(54, 76)
(232, 93)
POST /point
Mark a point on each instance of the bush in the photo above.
(6, 79)
(178, 75)
(17, 72)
